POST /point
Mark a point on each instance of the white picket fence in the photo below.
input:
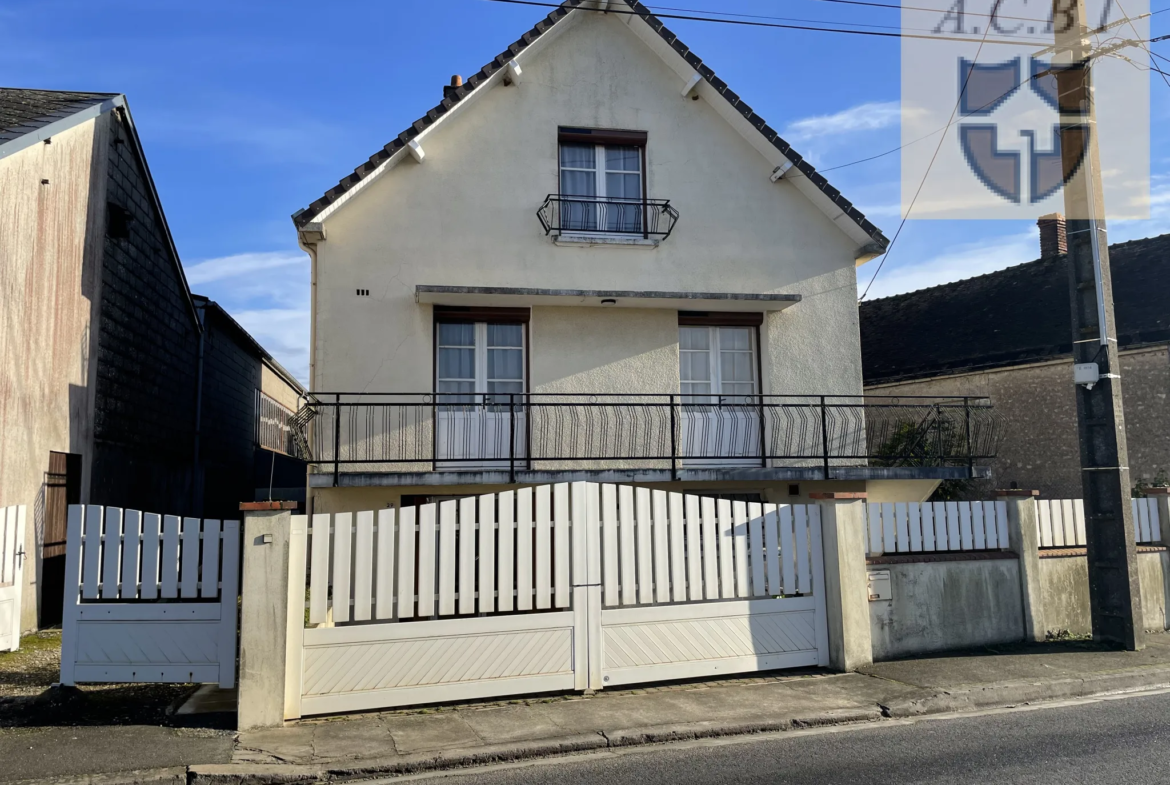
(552, 588)
(1062, 522)
(12, 530)
(913, 527)
(149, 598)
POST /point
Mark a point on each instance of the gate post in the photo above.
(1024, 539)
(270, 613)
(846, 582)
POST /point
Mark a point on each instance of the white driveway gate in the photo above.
(549, 588)
(149, 598)
(11, 575)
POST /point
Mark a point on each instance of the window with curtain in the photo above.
(479, 362)
(601, 188)
(717, 364)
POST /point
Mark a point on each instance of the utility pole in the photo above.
(1114, 592)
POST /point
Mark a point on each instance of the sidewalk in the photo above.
(396, 742)
(401, 742)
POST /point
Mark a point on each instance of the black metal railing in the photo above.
(597, 215)
(424, 431)
(273, 424)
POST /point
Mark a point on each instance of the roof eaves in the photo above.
(457, 94)
(303, 217)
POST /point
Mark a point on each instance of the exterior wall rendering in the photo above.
(466, 217)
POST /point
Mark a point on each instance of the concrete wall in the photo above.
(50, 250)
(941, 605)
(1037, 409)
(466, 216)
(1065, 590)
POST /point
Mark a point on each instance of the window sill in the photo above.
(588, 240)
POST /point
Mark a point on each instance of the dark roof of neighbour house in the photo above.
(202, 301)
(23, 111)
(457, 94)
(1010, 317)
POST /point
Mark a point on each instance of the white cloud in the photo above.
(871, 116)
(952, 264)
(268, 294)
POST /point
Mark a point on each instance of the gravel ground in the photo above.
(26, 699)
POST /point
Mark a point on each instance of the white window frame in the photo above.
(600, 171)
(714, 364)
(480, 363)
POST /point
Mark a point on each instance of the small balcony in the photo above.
(597, 217)
(441, 439)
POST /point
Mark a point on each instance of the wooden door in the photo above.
(62, 488)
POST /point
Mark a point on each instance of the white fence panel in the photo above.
(934, 527)
(12, 530)
(1062, 522)
(115, 626)
(554, 588)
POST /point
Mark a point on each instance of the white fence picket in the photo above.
(628, 545)
(448, 521)
(209, 579)
(801, 553)
(506, 545)
(467, 532)
(611, 579)
(902, 523)
(645, 524)
(151, 543)
(91, 563)
(189, 572)
(543, 547)
(426, 560)
(111, 553)
(915, 514)
(406, 552)
(561, 586)
(726, 527)
(873, 522)
(772, 549)
(319, 569)
(524, 549)
(342, 555)
(739, 518)
(694, 548)
(170, 557)
(678, 572)
(487, 554)
(131, 545)
(363, 566)
(710, 549)
(788, 562)
(756, 548)
(384, 588)
(978, 526)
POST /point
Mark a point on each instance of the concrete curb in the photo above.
(1002, 695)
(1007, 694)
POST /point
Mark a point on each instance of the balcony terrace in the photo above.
(362, 439)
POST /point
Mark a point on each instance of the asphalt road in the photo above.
(1115, 741)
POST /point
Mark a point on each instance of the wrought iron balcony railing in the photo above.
(386, 432)
(601, 216)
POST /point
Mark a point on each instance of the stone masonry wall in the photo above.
(1036, 408)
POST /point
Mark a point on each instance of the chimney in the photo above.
(1052, 237)
(456, 81)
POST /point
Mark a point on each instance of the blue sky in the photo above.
(250, 110)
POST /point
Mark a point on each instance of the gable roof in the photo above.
(28, 116)
(500, 62)
(26, 111)
(1010, 317)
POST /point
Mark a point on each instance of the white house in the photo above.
(593, 260)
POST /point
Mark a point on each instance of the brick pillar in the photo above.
(846, 580)
(1053, 240)
(1024, 539)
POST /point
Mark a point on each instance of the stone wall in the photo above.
(1036, 408)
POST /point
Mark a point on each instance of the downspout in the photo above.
(196, 467)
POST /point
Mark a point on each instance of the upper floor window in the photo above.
(601, 181)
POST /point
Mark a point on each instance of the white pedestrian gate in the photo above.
(149, 598)
(11, 575)
(549, 588)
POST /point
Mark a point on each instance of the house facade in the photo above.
(625, 276)
(117, 386)
(1008, 335)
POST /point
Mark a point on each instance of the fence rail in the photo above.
(606, 431)
(1062, 522)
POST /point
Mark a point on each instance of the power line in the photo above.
(779, 25)
(922, 183)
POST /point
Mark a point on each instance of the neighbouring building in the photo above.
(117, 386)
(626, 276)
(1008, 335)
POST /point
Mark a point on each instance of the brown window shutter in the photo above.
(474, 313)
(721, 318)
(601, 136)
